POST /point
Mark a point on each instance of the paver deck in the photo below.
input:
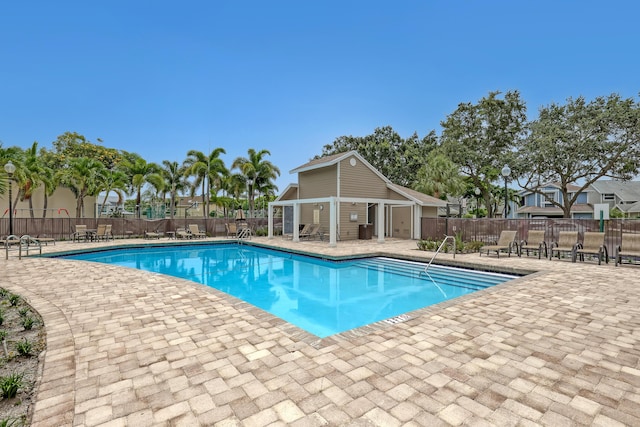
(129, 348)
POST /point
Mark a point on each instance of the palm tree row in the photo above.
(89, 169)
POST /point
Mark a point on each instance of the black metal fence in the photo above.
(62, 228)
(488, 229)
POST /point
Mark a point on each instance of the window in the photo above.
(608, 197)
(549, 198)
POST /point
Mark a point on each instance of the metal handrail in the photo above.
(439, 248)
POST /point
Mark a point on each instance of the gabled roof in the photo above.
(416, 196)
(291, 188)
(571, 188)
(326, 161)
(624, 190)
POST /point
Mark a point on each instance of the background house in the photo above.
(343, 192)
(624, 195)
(534, 204)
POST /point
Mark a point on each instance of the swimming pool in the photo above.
(320, 296)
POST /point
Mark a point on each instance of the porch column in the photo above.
(296, 222)
(381, 221)
(332, 222)
(270, 215)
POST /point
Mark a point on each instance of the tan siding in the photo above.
(291, 194)
(348, 228)
(360, 181)
(62, 198)
(401, 223)
(318, 183)
(429, 212)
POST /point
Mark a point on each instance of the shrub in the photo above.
(23, 311)
(474, 246)
(3, 334)
(9, 422)
(1, 317)
(24, 347)
(14, 299)
(3, 293)
(27, 322)
(10, 385)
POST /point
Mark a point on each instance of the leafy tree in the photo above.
(72, 145)
(482, 137)
(396, 158)
(581, 142)
(34, 174)
(257, 173)
(207, 171)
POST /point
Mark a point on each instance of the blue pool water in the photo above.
(321, 297)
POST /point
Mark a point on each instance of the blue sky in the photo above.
(161, 77)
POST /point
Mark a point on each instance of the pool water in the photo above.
(319, 296)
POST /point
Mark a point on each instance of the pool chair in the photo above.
(152, 234)
(534, 243)
(81, 233)
(196, 232)
(181, 233)
(592, 244)
(231, 229)
(108, 234)
(566, 244)
(313, 231)
(506, 243)
(629, 248)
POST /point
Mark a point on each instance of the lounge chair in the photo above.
(181, 233)
(232, 230)
(534, 243)
(592, 244)
(196, 232)
(629, 248)
(45, 240)
(506, 242)
(567, 242)
(152, 234)
(303, 230)
(313, 231)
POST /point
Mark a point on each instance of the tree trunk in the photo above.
(45, 204)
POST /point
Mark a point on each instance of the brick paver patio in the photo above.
(126, 348)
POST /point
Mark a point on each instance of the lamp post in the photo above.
(506, 171)
(10, 169)
(477, 191)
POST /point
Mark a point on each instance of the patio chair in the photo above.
(45, 240)
(196, 232)
(506, 242)
(81, 233)
(592, 244)
(629, 248)
(534, 243)
(567, 242)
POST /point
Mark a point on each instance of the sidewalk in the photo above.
(129, 348)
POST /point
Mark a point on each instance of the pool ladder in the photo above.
(453, 239)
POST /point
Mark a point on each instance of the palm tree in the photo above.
(207, 171)
(116, 181)
(84, 177)
(174, 180)
(139, 172)
(439, 177)
(257, 173)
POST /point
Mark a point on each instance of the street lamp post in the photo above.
(10, 169)
(506, 172)
(477, 191)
